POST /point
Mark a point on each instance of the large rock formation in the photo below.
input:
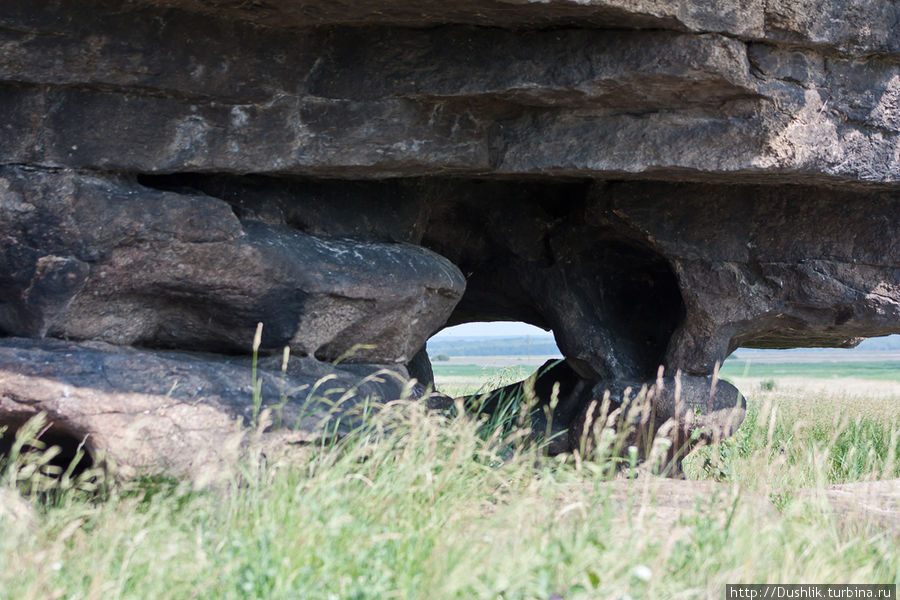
(179, 413)
(656, 182)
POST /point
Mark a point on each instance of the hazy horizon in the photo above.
(493, 329)
(501, 329)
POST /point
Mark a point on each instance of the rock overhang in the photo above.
(657, 182)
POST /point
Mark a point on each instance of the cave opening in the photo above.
(486, 364)
(470, 356)
(554, 253)
(25, 440)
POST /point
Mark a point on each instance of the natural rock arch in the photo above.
(656, 182)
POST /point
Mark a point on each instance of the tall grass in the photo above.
(422, 505)
(803, 440)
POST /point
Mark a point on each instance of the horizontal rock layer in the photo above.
(179, 413)
(844, 24)
(223, 94)
(656, 182)
(106, 259)
(629, 275)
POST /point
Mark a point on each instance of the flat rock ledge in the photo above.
(181, 414)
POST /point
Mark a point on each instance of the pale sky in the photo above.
(495, 329)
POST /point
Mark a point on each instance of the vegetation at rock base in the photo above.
(422, 505)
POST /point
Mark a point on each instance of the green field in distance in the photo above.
(874, 370)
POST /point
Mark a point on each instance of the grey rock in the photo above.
(849, 26)
(579, 69)
(687, 411)
(629, 276)
(105, 259)
(634, 275)
(737, 16)
(177, 413)
(420, 369)
(772, 268)
(718, 87)
(656, 182)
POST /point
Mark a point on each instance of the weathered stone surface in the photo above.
(102, 258)
(657, 182)
(580, 69)
(717, 86)
(738, 16)
(179, 413)
(628, 275)
(419, 368)
(688, 411)
(846, 25)
(771, 267)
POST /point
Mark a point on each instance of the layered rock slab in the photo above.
(628, 275)
(564, 104)
(769, 91)
(846, 25)
(770, 267)
(102, 258)
(177, 413)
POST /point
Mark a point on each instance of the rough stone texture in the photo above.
(420, 369)
(755, 271)
(688, 411)
(737, 89)
(629, 275)
(180, 413)
(102, 258)
(657, 182)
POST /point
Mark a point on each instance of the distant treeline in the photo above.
(546, 346)
(494, 346)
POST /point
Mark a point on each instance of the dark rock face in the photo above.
(657, 182)
(569, 411)
(736, 89)
(687, 411)
(629, 275)
(105, 259)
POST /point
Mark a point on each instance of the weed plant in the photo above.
(421, 504)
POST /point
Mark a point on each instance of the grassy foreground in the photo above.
(424, 506)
